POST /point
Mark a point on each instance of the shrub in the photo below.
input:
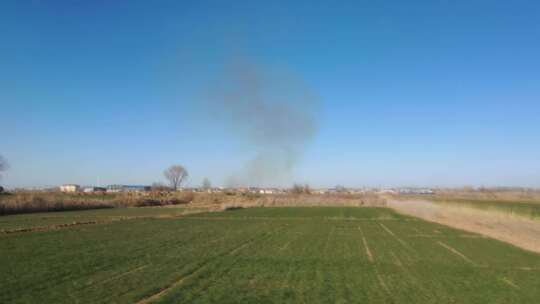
(188, 197)
(43, 202)
(231, 207)
(148, 202)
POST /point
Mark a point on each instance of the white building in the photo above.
(69, 188)
(94, 189)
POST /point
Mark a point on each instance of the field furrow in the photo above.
(265, 255)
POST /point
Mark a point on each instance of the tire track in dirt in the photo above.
(109, 220)
(191, 274)
(51, 227)
(287, 244)
(402, 242)
(371, 259)
(509, 283)
(124, 274)
(439, 236)
(230, 267)
(203, 266)
(366, 247)
(456, 252)
(300, 219)
(410, 277)
(383, 284)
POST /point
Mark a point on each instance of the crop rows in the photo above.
(310, 255)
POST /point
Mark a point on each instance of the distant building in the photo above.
(337, 189)
(415, 191)
(70, 188)
(94, 189)
(128, 188)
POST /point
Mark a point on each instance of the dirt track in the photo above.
(513, 229)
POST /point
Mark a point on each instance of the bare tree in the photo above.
(175, 175)
(206, 184)
(3, 165)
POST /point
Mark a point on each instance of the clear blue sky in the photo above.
(412, 92)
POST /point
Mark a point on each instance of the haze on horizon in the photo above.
(392, 93)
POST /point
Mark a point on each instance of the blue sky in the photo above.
(411, 93)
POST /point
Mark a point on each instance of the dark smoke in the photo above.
(271, 113)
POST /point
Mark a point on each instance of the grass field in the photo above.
(51, 219)
(262, 255)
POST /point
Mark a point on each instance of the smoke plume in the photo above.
(271, 113)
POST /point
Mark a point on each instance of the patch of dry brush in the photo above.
(29, 202)
(488, 194)
(301, 200)
(514, 229)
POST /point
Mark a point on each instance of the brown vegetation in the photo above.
(299, 200)
(27, 202)
(514, 229)
(510, 195)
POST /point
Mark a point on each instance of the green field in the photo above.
(50, 219)
(261, 255)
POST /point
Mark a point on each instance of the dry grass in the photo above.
(511, 228)
(493, 195)
(28, 202)
(301, 200)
